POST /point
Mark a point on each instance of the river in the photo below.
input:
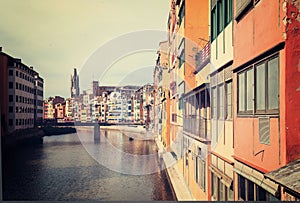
(63, 168)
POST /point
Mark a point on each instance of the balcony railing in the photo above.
(196, 126)
(202, 58)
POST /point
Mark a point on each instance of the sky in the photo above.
(112, 41)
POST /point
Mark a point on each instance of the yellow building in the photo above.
(188, 29)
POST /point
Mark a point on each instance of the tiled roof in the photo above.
(288, 176)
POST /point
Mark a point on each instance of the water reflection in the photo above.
(61, 169)
(118, 153)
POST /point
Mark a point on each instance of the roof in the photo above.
(288, 176)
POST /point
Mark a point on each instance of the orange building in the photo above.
(266, 90)
(194, 101)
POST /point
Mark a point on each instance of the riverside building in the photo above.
(21, 95)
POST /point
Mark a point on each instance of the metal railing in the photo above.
(196, 125)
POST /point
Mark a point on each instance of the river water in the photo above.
(62, 168)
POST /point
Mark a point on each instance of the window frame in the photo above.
(254, 66)
(221, 100)
(266, 71)
(214, 104)
(227, 117)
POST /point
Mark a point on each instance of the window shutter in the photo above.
(241, 5)
(228, 73)
(264, 130)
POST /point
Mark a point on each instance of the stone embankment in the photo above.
(28, 137)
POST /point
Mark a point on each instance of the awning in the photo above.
(223, 177)
(287, 176)
(256, 177)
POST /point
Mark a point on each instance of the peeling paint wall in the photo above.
(292, 98)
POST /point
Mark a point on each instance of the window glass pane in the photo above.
(260, 194)
(241, 96)
(249, 90)
(221, 101)
(228, 11)
(260, 87)
(214, 98)
(230, 194)
(220, 16)
(214, 185)
(273, 84)
(229, 100)
(221, 191)
(214, 23)
(242, 195)
(250, 189)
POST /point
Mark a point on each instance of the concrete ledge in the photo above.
(180, 188)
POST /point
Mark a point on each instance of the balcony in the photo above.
(196, 126)
(202, 58)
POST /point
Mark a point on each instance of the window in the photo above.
(10, 98)
(214, 186)
(10, 72)
(273, 86)
(258, 87)
(228, 11)
(267, 86)
(200, 171)
(241, 192)
(219, 191)
(219, 16)
(230, 194)
(246, 91)
(214, 102)
(10, 85)
(214, 24)
(17, 98)
(10, 109)
(10, 122)
(241, 92)
(221, 101)
(229, 100)
(249, 90)
(249, 191)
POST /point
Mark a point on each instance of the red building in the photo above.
(266, 80)
(3, 92)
